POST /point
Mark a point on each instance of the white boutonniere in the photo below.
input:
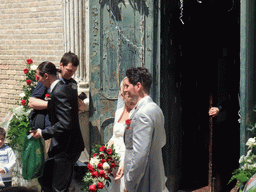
(47, 97)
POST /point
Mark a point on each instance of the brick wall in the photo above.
(28, 29)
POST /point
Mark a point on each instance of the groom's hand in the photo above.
(125, 190)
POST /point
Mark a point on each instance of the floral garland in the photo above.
(100, 167)
(30, 80)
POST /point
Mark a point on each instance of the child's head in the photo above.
(2, 136)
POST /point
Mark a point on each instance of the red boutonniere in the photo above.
(128, 122)
(47, 97)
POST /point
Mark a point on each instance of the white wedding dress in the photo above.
(118, 140)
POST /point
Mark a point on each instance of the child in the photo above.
(7, 161)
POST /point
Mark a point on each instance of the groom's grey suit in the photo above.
(143, 163)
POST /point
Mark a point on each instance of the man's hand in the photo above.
(36, 134)
(81, 106)
(213, 111)
(2, 171)
(125, 190)
(120, 173)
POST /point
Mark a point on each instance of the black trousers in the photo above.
(58, 172)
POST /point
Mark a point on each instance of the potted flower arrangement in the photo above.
(100, 167)
(248, 165)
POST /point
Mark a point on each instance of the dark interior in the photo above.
(200, 65)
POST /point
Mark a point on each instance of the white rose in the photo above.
(106, 166)
(94, 161)
(241, 160)
(22, 94)
(33, 67)
(250, 142)
(249, 161)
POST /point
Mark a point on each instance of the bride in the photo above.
(124, 106)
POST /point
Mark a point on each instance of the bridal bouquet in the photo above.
(100, 167)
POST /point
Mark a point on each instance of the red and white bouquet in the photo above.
(100, 167)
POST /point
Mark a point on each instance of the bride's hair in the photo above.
(121, 88)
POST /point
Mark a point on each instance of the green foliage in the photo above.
(243, 175)
(17, 129)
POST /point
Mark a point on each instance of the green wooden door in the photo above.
(247, 71)
(123, 33)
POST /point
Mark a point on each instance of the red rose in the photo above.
(90, 168)
(28, 81)
(109, 151)
(100, 166)
(47, 96)
(89, 165)
(101, 155)
(29, 61)
(37, 78)
(102, 148)
(106, 177)
(103, 160)
(113, 165)
(95, 174)
(23, 102)
(100, 185)
(25, 71)
(102, 173)
(94, 155)
(92, 188)
(109, 171)
(128, 121)
(109, 159)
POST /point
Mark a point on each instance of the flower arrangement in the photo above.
(248, 165)
(19, 123)
(30, 80)
(100, 167)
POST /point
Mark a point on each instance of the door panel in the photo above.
(121, 36)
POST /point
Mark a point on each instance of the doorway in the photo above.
(200, 65)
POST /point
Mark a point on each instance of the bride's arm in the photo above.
(120, 172)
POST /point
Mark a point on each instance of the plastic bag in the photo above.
(32, 158)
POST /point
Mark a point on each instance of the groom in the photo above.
(144, 137)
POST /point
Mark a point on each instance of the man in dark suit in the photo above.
(66, 138)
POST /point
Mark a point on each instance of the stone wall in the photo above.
(29, 29)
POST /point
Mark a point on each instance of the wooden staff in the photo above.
(210, 179)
